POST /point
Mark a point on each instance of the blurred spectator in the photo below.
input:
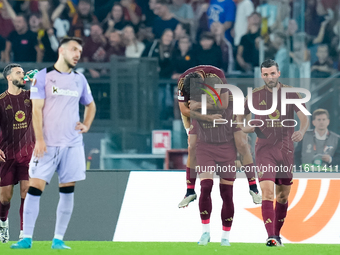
(223, 12)
(282, 54)
(59, 18)
(134, 48)
(225, 45)
(268, 10)
(150, 16)
(145, 34)
(132, 12)
(164, 18)
(115, 45)
(93, 50)
(208, 53)
(162, 49)
(248, 51)
(115, 19)
(319, 146)
(243, 10)
(322, 68)
(2, 48)
(48, 42)
(182, 30)
(200, 17)
(183, 57)
(81, 22)
(182, 11)
(22, 43)
(312, 18)
(6, 23)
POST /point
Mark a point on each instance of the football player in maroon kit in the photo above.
(274, 148)
(187, 113)
(16, 144)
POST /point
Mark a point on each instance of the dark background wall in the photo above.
(98, 201)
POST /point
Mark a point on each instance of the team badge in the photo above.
(20, 116)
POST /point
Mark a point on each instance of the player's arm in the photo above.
(184, 108)
(245, 128)
(7, 51)
(304, 124)
(90, 112)
(37, 119)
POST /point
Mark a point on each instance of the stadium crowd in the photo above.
(181, 34)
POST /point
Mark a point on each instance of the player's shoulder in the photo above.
(3, 95)
(292, 94)
(259, 89)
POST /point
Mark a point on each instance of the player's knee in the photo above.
(282, 198)
(66, 190)
(34, 191)
(23, 192)
(267, 194)
(5, 196)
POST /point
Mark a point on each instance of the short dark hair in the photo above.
(269, 63)
(8, 69)
(207, 35)
(186, 83)
(319, 112)
(67, 39)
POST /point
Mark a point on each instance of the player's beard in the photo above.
(19, 83)
(69, 65)
(272, 84)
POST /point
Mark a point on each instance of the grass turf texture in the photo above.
(98, 248)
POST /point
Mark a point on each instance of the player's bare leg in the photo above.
(64, 212)
(281, 207)
(242, 146)
(6, 194)
(190, 173)
(227, 213)
(268, 213)
(205, 206)
(23, 192)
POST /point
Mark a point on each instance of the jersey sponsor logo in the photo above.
(311, 212)
(9, 107)
(19, 116)
(64, 92)
(263, 103)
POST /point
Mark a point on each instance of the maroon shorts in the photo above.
(274, 163)
(219, 158)
(14, 170)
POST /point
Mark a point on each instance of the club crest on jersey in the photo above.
(20, 116)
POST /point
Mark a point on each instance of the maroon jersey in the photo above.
(221, 133)
(17, 138)
(206, 71)
(272, 132)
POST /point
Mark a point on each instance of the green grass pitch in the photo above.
(129, 248)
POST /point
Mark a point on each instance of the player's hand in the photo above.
(83, 128)
(31, 80)
(326, 158)
(2, 156)
(194, 105)
(248, 129)
(39, 149)
(297, 136)
(213, 117)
